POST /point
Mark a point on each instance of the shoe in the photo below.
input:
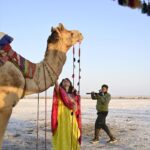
(96, 138)
(94, 141)
(111, 141)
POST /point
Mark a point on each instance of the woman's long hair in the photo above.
(71, 90)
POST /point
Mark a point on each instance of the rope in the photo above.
(74, 60)
(37, 139)
(73, 77)
(78, 84)
(37, 142)
(49, 74)
(52, 69)
(45, 108)
(79, 71)
(79, 78)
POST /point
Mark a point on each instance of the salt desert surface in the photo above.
(129, 120)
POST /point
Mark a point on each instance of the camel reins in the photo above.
(56, 74)
(78, 84)
(45, 66)
(37, 142)
(45, 83)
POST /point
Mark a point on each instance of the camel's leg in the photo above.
(4, 117)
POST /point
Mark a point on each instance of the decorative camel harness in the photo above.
(8, 54)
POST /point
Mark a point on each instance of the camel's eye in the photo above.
(71, 34)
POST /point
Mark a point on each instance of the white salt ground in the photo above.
(129, 121)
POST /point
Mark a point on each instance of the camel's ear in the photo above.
(54, 37)
(61, 26)
(55, 30)
(52, 29)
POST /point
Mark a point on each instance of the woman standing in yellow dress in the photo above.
(66, 117)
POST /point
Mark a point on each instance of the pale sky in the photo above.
(116, 42)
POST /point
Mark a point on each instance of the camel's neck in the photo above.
(55, 60)
(47, 72)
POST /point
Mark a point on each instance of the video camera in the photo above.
(95, 93)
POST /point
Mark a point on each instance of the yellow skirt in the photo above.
(67, 133)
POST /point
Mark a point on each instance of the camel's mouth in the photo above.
(77, 36)
(80, 37)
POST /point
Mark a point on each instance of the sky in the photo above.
(115, 49)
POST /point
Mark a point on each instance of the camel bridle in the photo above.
(78, 84)
(46, 67)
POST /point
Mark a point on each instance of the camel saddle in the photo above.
(8, 54)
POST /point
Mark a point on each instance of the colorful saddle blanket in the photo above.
(8, 54)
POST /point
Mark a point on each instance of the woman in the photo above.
(65, 118)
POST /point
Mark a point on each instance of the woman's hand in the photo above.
(74, 104)
(74, 107)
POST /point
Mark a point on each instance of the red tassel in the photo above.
(73, 76)
(131, 3)
(79, 52)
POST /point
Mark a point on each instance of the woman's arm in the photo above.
(57, 87)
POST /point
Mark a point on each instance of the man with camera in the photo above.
(103, 98)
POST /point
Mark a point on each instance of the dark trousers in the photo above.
(101, 123)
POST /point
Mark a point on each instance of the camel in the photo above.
(14, 85)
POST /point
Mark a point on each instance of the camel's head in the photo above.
(64, 38)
